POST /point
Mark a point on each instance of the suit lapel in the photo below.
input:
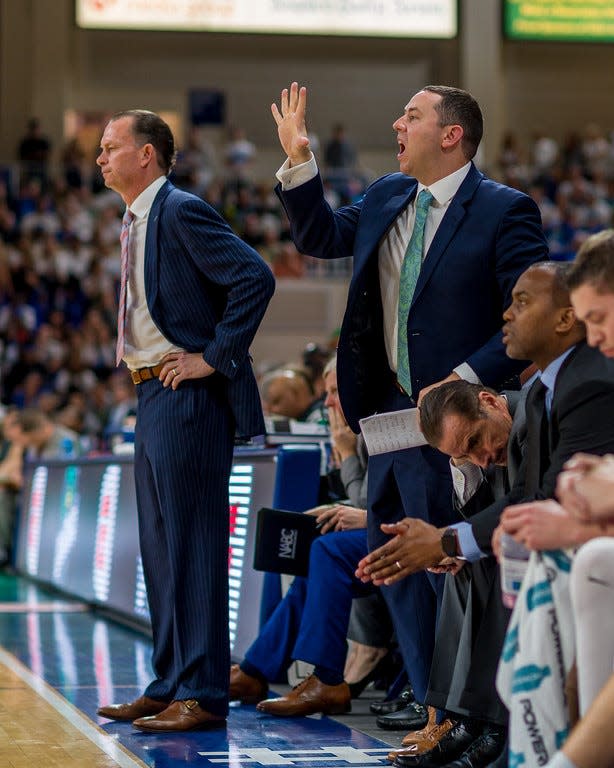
(451, 221)
(518, 433)
(151, 245)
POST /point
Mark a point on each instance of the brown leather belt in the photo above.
(145, 374)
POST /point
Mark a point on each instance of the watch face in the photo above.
(448, 542)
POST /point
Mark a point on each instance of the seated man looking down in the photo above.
(483, 432)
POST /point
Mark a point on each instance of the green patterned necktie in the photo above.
(407, 285)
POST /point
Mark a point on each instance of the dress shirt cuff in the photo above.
(466, 479)
(467, 544)
(291, 177)
(466, 372)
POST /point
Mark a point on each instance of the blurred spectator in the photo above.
(73, 160)
(43, 219)
(195, 165)
(545, 151)
(39, 437)
(288, 261)
(8, 213)
(315, 358)
(33, 153)
(11, 480)
(339, 152)
(288, 392)
(239, 153)
(340, 162)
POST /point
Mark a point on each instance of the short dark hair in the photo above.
(31, 419)
(458, 107)
(150, 128)
(594, 263)
(454, 397)
(560, 271)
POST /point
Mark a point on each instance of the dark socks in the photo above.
(252, 671)
(328, 676)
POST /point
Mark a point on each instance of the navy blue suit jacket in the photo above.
(489, 235)
(207, 292)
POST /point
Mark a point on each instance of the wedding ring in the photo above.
(174, 371)
(398, 565)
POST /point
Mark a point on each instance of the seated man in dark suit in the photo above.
(473, 620)
(575, 387)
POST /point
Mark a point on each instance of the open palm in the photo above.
(290, 119)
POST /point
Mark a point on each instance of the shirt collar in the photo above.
(551, 371)
(141, 205)
(445, 189)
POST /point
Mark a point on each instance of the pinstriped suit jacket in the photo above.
(207, 292)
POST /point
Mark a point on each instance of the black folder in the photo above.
(283, 541)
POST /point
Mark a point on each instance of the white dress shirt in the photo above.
(145, 345)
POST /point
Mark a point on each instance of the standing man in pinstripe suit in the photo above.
(194, 297)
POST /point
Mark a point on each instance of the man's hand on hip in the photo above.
(180, 366)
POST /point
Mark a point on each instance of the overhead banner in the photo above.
(564, 20)
(378, 18)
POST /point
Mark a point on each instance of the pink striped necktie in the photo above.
(123, 285)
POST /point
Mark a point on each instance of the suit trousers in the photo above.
(469, 641)
(183, 457)
(311, 622)
(411, 483)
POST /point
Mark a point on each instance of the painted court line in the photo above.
(99, 738)
(35, 607)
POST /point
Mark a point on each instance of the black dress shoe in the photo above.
(412, 718)
(484, 750)
(386, 707)
(452, 745)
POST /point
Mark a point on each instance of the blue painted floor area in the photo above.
(91, 661)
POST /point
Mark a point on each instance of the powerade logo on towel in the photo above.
(516, 759)
(288, 538)
(510, 646)
(540, 594)
(529, 678)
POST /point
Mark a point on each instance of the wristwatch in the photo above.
(449, 542)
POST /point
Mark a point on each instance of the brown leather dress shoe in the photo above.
(245, 688)
(185, 715)
(418, 742)
(431, 732)
(309, 697)
(141, 707)
(414, 736)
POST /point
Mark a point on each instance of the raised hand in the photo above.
(291, 124)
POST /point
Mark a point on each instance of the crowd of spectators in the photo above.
(571, 181)
(59, 250)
